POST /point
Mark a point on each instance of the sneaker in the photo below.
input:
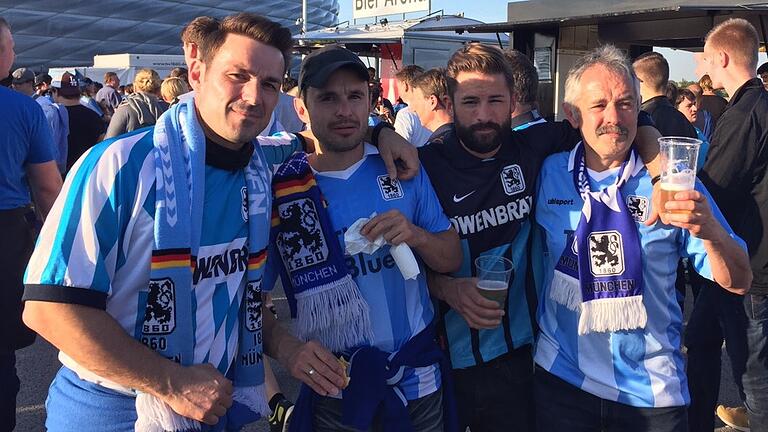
(735, 418)
(278, 420)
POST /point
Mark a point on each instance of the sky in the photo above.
(681, 63)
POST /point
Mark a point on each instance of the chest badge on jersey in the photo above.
(390, 188)
(638, 207)
(244, 203)
(512, 179)
(301, 241)
(606, 253)
(160, 314)
(253, 305)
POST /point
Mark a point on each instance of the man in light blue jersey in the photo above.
(395, 379)
(608, 353)
(155, 251)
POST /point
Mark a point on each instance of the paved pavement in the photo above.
(38, 364)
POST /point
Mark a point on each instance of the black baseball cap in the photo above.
(318, 66)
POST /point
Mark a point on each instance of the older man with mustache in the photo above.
(608, 355)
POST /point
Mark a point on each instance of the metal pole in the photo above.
(303, 16)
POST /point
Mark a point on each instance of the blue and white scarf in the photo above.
(180, 190)
(600, 270)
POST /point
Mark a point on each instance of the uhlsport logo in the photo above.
(512, 179)
(160, 315)
(638, 207)
(606, 253)
(253, 305)
(301, 241)
(390, 188)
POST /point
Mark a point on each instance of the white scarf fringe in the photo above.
(154, 415)
(612, 314)
(334, 314)
(254, 397)
(565, 290)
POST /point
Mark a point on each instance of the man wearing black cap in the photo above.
(23, 81)
(42, 85)
(85, 126)
(395, 380)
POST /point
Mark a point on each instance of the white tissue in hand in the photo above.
(355, 243)
(405, 260)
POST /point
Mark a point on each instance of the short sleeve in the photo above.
(279, 146)
(694, 247)
(41, 146)
(429, 213)
(83, 240)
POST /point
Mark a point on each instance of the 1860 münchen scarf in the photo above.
(600, 270)
(180, 180)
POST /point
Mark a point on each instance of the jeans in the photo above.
(9, 388)
(717, 316)
(497, 396)
(756, 377)
(426, 414)
(562, 407)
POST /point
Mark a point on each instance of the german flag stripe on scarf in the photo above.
(295, 185)
(257, 260)
(171, 258)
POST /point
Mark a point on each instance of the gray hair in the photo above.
(608, 56)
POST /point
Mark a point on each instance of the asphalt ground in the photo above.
(37, 365)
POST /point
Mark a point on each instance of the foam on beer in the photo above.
(677, 182)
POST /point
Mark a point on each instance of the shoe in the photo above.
(735, 418)
(278, 420)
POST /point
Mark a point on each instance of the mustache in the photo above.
(344, 123)
(248, 109)
(617, 129)
(487, 125)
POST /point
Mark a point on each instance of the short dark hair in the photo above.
(684, 94)
(246, 24)
(477, 57)
(652, 69)
(432, 83)
(524, 75)
(409, 73)
(672, 91)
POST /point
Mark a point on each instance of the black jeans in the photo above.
(426, 414)
(756, 375)
(717, 316)
(497, 396)
(562, 407)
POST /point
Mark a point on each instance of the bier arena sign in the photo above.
(370, 8)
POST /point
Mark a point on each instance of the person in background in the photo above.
(704, 119)
(525, 90)
(386, 111)
(85, 126)
(108, 96)
(685, 102)
(139, 109)
(432, 103)
(180, 72)
(87, 93)
(43, 86)
(172, 88)
(762, 71)
(407, 122)
(28, 174)
(711, 101)
(23, 81)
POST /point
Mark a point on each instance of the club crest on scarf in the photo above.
(606, 253)
(253, 306)
(512, 179)
(160, 314)
(301, 241)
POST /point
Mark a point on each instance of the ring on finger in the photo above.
(311, 371)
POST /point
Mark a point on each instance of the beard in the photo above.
(336, 143)
(484, 143)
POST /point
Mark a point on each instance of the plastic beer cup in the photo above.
(678, 167)
(494, 274)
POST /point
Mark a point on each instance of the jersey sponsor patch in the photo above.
(160, 315)
(301, 242)
(253, 305)
(606, 253)
(512, 179)
(638, 207)
(390, 188)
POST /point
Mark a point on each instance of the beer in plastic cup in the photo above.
(678, 167)
(494, 274)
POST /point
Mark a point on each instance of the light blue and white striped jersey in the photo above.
(399, 308)
(641, 368)
(96, 244)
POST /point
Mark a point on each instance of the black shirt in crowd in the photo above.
(735, 173)
(714, 104)
(85, 128)
(669, 121)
